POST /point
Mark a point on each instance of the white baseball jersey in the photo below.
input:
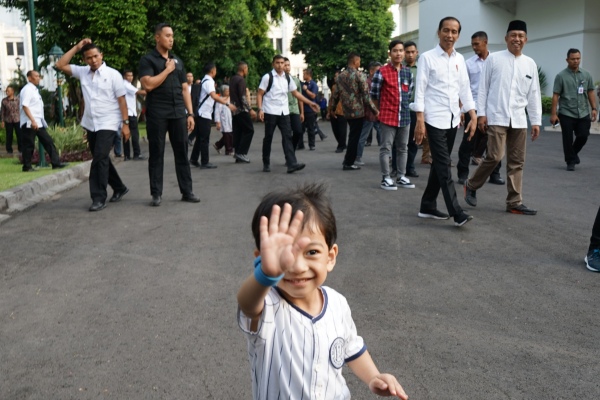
(294, 355)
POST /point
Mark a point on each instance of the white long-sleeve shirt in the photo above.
(223, 116)
(442, 81)
(474, 68)
(32, 99)
(508, 86)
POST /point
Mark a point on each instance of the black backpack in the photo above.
(270, 84)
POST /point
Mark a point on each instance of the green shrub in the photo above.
(546, 105)
(70, 139)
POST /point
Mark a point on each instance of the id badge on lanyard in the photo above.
(580, 88)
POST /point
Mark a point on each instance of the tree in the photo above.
(327, 31)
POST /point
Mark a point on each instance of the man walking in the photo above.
(131, 93)
(272, 95)
(296, 110)
(391, 89)
(509, 85)
(371, 120)
(310, 91)
(34, 125)
(442, 82)
(410, 60)
(352, 91)
(204, 97)
(243, 129)
(573, 90)
(162, 74)
(105, 110)
(478, 143)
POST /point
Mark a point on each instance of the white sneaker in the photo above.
(404, 182)
(359, 162)
(387, 183)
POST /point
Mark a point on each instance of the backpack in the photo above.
(195, 100)
(270, 84)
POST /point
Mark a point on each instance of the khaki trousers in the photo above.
(515, 141)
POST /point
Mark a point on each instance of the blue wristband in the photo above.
(263, 279)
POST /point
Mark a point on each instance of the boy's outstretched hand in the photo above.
(278, 245)
(387, 385)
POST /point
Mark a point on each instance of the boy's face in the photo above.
(301, 282)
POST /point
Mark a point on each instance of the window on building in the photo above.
(20, 49)
(10, 49)
(279, 46)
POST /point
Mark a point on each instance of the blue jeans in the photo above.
(364, 134)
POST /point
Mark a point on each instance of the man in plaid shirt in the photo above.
(390, 90)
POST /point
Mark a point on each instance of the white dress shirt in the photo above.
(208, 87)
(32, 99)
(101, 89)
(508, 85)
(275, 101)
(442, 80)
(474, 68)
(130, 98)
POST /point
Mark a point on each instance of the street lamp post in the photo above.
(55, 54)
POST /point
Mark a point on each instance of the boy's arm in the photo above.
(380, 384)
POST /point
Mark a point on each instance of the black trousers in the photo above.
(29, 136)
(413, 148)
(310, 121)
(595, 239)
(339, 126)
(355, 125)
(134, 140)
(578, 126)
(157, 129)
(200, 149)
(102, 170)
(243, 131)
(466, 150)
(10, 128)
(284, 125)
(441, 142)
(297, 129)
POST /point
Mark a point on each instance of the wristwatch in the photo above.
(126, 121)
(227, 104)
(191, 115)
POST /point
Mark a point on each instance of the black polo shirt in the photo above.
(165, 101)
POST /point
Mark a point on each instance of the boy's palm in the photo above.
(278, 245)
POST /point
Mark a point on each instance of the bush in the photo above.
(70, 142)
(546, 105)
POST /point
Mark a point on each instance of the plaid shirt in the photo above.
(353, 92)
(392, 88)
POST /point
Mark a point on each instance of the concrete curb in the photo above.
(29, 194)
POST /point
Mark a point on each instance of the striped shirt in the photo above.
(294, 355)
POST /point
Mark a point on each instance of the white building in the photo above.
(553, 26)
(281, 34)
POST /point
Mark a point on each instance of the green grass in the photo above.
(11, 174)
(142, 129)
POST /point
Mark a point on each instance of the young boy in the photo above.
(299, 332)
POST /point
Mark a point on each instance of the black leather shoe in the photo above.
(32, 169)
(207, 166)
(461, 181)
(195, 163)
(295, 168)
(59, 166)
(412, 174)
(97, 206)
(339, 150)
(156, 200)
(470, 195)
(117, 196)
(266, 168)
(497, 180)
(190, 198)
(350, 167)
(139, 158)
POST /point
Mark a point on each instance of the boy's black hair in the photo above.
(310, 199)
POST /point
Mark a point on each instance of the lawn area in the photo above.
(11, 174)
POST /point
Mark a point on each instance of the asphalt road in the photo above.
(136, 302)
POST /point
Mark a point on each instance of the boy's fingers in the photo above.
(284, 220)
(274, 220)
(296, 223)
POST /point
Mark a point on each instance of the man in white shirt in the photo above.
(33, 123)
(131, 93)
(442, 83)
(475, 146)
(204, 97)
(273, 96)
(105, 111)
(509, 85)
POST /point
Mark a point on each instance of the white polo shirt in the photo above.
(294, 355)
(32, 99)
(100, 92)
(442, 81)
(130, 98)
(275, 101)
(208, 87)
